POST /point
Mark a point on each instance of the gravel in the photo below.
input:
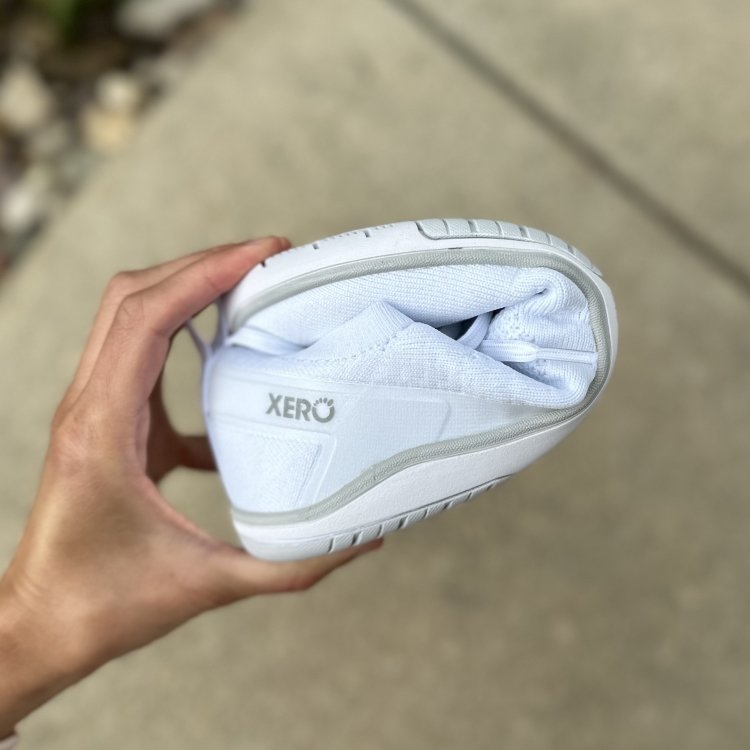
(66, 105)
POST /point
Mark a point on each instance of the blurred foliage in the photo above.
(69, 16)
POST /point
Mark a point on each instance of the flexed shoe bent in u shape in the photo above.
(370, 380)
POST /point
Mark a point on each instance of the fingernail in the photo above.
(265, 241)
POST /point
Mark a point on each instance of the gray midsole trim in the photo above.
(489, 439)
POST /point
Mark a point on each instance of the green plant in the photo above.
(68, 15)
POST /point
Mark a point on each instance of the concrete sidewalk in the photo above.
(598, 599)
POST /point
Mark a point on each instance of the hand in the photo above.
(105, 564)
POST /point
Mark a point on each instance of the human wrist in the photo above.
(33, 669)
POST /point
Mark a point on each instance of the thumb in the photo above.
(242, 575)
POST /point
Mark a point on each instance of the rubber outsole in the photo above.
(325, 545)
(299, 260)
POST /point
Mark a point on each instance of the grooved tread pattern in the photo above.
(351, 537)
(396, 523)
(462, 229)
(451, 229)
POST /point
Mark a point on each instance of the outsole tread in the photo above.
(355, 537)
(444, 229)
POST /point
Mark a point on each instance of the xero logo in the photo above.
(289, 407)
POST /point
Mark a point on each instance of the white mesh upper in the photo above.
(383, 329)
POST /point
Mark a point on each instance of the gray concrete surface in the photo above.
(655, 92)
(597, 600)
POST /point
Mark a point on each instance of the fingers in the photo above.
(244, 575)
(119, 287)
(122, 284)
(134, 350)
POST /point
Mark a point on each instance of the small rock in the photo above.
(25, 101)
(156, 19)
(106, 132)
(119, 92)
(26, 203)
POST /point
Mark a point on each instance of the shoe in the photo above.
(370, 380)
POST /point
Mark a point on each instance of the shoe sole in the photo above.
(383, 501)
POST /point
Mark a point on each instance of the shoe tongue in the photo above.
(372, 327)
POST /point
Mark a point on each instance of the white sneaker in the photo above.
(370, 380)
